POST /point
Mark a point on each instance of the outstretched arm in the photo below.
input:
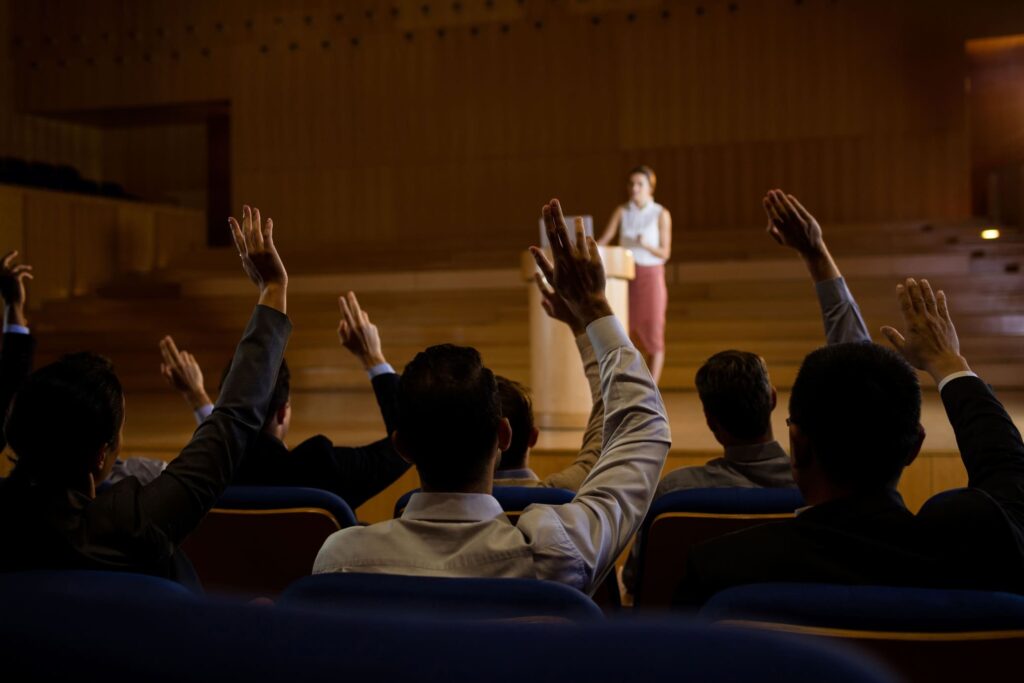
(572, 476)
(179, 498)
(582, 539)
(989, 442)
(791, 225)
(19, 346)
(181, 371)
(360, 336)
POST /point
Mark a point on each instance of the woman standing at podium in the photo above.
(645, 228)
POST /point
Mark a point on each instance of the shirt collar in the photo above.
(522, 473)
(755, 452)
(453, 507)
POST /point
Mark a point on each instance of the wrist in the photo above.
(274, 295)
(372, 360)
(946, 366)
(14, 314)
(198, 399)
(593, 310)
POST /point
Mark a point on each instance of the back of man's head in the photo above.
(735, 390)
(281, 394)
(63, 415)
(517, 408)
(448, 415)
(859, 406)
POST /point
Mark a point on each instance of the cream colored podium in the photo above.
(561, 396)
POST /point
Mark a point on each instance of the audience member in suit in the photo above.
(19, 346)
(450, 427)
(517, 408)
(734, 387)
(854, 425)
(356, 473)
(65, 427)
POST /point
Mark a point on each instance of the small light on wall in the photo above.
(990, 234)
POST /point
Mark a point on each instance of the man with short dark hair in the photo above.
(450, 427)
(355, 473)
(854, 425)
(65, 425)
(734, 387)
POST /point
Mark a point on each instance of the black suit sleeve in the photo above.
(176, 501)
(989, 443)
(385, 387)
(15, 364)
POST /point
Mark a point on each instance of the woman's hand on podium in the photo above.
(254, 240)
(357, 333)
(577, 274)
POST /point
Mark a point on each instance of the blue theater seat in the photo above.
(259, 539)
(926, 634)
(680, 520)
(454, 598)
(113, 641)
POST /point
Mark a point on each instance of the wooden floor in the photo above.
(727, 289)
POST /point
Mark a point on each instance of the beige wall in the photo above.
(457, 124)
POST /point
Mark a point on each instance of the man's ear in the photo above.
(504, 434)
(775, 397)
(711, 422)
(534, 435)
(400, 447)
(916, 450)
(800, 448)
(282, 413)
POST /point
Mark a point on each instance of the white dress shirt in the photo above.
(468, 535)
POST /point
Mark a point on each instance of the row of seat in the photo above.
(380, 625)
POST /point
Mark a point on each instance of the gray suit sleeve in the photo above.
(840, 313)
(572, 476)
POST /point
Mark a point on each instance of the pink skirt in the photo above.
(648, 301)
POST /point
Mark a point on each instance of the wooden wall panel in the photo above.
(76, 243)
(382, 125)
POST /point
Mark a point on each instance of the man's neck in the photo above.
(729, 441)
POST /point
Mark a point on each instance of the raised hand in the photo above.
(556, 307)
(930, 342)
(576, 274)
(791, 225)
(182, 372)
(12, 288)
(254, 240)
(357, 333)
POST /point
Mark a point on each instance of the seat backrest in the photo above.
(443, 598)
(680, 520)
(56, 585)
(926, 634)
(513, 499)
(158, 642)
(259, 539)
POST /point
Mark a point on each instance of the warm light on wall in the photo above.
(990, 234)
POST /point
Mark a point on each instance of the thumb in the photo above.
(894, 337)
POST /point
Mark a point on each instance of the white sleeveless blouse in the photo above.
(641, 225)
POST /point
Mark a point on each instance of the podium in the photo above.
(561, 395)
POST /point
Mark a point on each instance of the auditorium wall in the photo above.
(370, 125)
